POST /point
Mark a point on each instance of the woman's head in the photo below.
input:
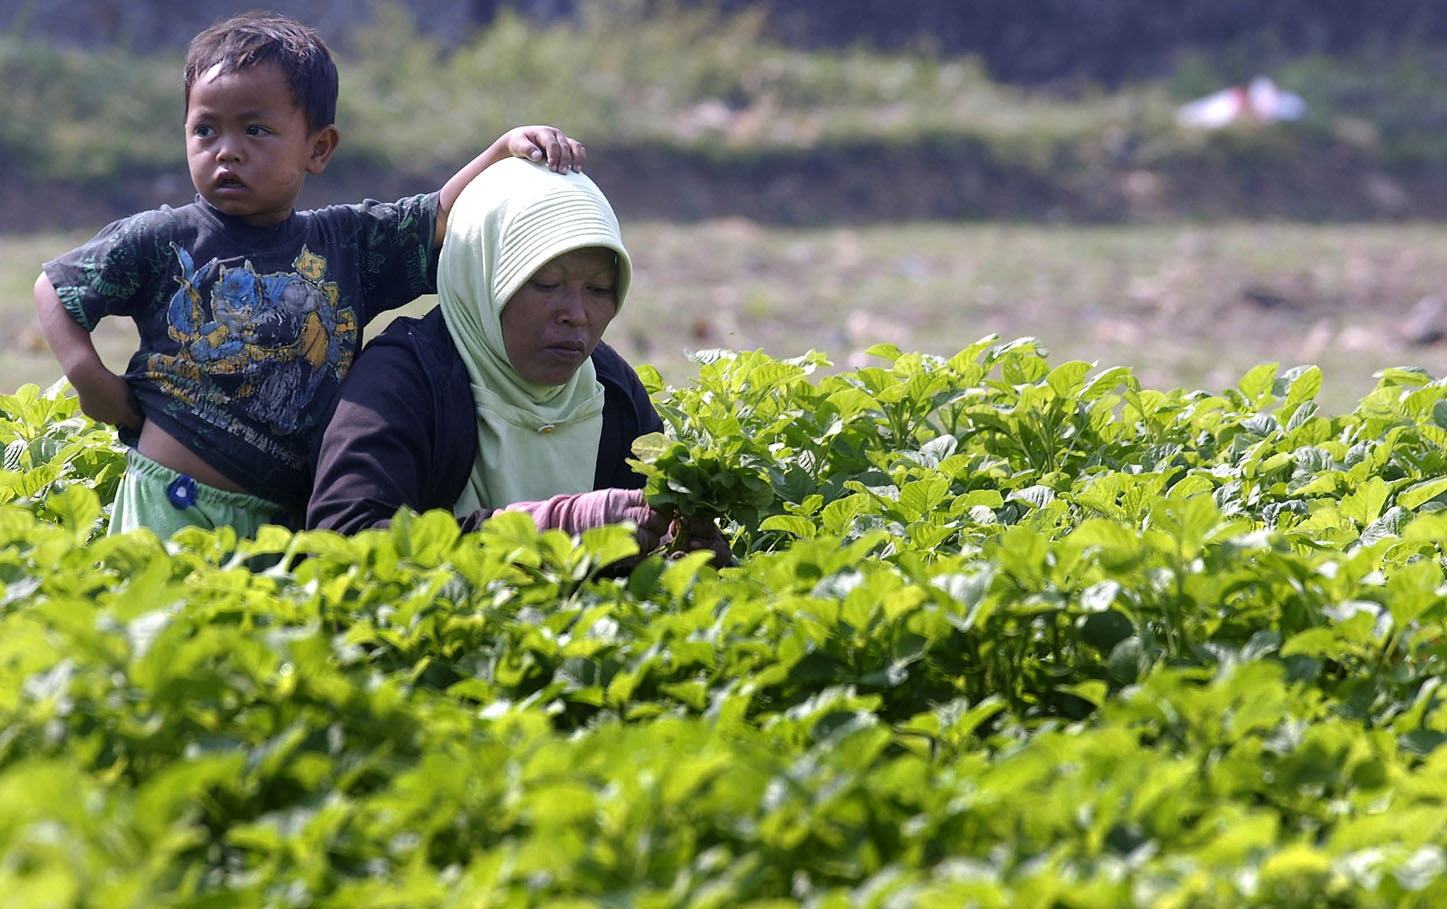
(537, 251)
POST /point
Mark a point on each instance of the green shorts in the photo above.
(155, 496)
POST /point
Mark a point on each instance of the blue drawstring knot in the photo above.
(182, 492)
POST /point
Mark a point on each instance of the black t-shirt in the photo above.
(246, 332)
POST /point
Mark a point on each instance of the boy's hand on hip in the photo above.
(106, 398)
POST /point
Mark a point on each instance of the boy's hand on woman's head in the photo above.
(546, 144)
(543, 144)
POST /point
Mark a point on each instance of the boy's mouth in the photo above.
(228, 181)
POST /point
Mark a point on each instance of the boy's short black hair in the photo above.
(254, 38)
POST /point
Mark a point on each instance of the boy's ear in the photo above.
(324, 143)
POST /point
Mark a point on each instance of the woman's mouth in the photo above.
(567, 350)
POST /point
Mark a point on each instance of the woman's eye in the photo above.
(545, 285)
(600, 291)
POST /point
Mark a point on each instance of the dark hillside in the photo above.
(849, 185)
(1019, 40)
(1107, 40)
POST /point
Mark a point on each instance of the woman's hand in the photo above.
(700, 534)
(576, 513)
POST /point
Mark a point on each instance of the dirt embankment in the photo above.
(861, 184)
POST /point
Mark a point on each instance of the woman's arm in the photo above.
(381, 449)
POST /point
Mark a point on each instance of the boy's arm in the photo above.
(536, 143)
(104, 396)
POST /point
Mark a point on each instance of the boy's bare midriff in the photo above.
(166, 450)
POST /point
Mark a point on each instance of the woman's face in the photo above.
(553, 322)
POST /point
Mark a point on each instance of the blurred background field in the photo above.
(1192, 306)
(822, 175)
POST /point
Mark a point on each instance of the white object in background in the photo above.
(1268, 103)
(1260, 102)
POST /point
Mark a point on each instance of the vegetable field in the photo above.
(1002, 632)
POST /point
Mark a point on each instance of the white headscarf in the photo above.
(533, 441)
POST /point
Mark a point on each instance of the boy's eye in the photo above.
(257, 130)
(202, 131)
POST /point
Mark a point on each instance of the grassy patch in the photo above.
(698, 81)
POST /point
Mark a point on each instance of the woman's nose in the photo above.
(570, 306)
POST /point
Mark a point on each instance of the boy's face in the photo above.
(247, 143)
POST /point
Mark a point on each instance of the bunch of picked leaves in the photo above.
(728, 481)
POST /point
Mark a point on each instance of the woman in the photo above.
(503, 397)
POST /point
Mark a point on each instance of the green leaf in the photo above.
(1035, 496)
(426, 537)
(918, 499)
(793, 525)
(1067, 379)
(1364, 504)
(1104, 630)
(1258, 382)
(988, 498)
(609, 544)
(78, 508)
(1311, 642)
(649, 447)
(1093, 691)
(1107, 381)
(1105, 534)
(1417, 494)
(1413, 589)
(1304, 386)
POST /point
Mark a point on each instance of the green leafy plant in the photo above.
(1191, 657)
(726, 483)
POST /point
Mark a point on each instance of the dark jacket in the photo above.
(404, 431)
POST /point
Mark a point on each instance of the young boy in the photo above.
(249, 312)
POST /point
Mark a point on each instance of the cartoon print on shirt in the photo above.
(268, 342)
